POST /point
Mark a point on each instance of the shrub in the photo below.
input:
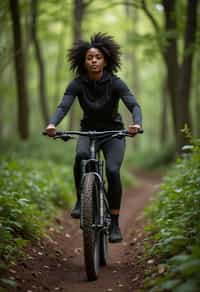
(31, 190)
(175, 217)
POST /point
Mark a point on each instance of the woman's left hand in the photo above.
(134, 129)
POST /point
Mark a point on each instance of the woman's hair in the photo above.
(101, 41)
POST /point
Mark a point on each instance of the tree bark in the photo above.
(20, 70)
(131, 59)
(41, 67)
(59, 61)
(78, 15)
(196, 96)
(164, 110)
(185, 73)
(170, 56)
(179, 76)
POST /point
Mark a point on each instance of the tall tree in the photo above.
(131, 58)
(40, 62)
(78, 15)
(164, 111)
(79, 9)
(59, 61)
(196, 95)
(20, 70)
(179, 73)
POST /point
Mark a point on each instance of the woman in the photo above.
(99, 91)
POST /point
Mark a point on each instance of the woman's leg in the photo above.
(114, 154)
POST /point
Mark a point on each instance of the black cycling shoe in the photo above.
(76, 211)
(114, 230)
(115, 234)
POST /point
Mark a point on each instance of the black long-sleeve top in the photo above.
(99, 101)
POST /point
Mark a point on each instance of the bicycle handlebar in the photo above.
(67, 135)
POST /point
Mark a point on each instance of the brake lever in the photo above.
(64, 137)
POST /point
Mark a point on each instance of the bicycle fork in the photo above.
(97, 167)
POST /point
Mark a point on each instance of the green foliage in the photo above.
(39, 147)
(175, 229)
(31, 191)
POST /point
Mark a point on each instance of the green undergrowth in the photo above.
(39, 147)
(175, 229)
(31, 192)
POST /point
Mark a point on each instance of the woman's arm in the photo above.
(69, 96)
(123, 92)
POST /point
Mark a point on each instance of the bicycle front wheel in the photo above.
(104, 235)
(89, 214)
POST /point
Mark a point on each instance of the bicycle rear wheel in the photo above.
(91, 236)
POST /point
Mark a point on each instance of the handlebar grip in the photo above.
(141, 131)
(57, 133)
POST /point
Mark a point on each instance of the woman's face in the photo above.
(94, 61)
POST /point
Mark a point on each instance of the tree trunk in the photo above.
(185, 74)
(132, 62)
(179, 77)
(196, 96)
(171, 59)
(59, 61)
(78, 14)
(21, 83)
(41, 68)
(164, 109)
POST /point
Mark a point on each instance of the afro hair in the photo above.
(101, 41)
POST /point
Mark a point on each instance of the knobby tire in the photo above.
(91, 237)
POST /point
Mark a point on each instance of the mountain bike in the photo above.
(95, 213)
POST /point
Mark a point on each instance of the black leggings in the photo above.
(113, 151)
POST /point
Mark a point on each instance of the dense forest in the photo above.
(160, 43)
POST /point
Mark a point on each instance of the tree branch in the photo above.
(110, 5)
(87, 3)
(149, 15)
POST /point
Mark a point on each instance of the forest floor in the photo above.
(56, 263)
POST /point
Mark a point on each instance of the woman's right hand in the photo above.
(51, 130)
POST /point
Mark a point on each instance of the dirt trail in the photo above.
(56, 264)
